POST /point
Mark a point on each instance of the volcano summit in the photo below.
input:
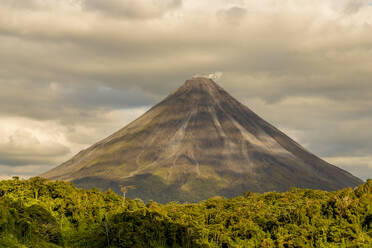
(197, 143)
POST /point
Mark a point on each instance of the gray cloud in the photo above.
(68, 102)
(232, 16)
(30, 4)
(134, 9)
(329, 128)
(303, 66)
(353, 6)
(41, 5)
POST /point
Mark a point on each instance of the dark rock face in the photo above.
(196, 143)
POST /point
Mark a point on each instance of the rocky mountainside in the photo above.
(197, 143)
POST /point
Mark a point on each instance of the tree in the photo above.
(124, 190)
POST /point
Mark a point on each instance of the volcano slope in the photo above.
(197, 143)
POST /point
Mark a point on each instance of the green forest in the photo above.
(42, 213)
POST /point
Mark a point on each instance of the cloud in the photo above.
(354, 6)
(30, 4)
(9, 177)
(42, 143)
(215, 76)
(86, 134)
(133, 9)
(78, 68)
(232, 16)
(74, 103)
(355, 165)
(318, 122)
(333, 129)
(22, 148)
(40, 5)
(24, 172)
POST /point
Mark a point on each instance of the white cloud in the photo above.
(215, 76)
(21, 144)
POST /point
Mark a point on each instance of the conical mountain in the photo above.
(197, 143)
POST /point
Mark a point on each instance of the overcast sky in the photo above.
(74, 71)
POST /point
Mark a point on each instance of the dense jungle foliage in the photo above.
(42, 213)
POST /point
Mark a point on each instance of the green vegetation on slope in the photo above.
(42, 213)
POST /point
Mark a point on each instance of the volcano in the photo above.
(197, 143)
